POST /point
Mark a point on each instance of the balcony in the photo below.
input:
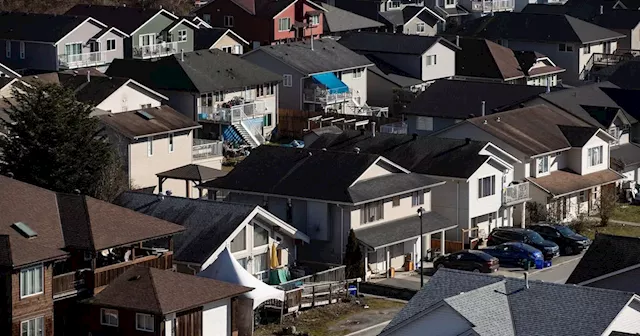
(206, 149)
(489, 6)
(91, 59)
(105, 275)
(516, 193)
(69, 284)
(322, 96)
(232, 113)
(156, 50)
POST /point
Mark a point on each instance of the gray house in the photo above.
(44, 42)
(151, 32)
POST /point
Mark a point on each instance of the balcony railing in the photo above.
(83, 60)
(325, 97)
(69, 284)
(105, 275)
(394, 128)
(156, 50)
(233, 114)
(205, 149)
(488, 6)
(516, 193)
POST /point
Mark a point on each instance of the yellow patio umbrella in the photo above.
(274, 263)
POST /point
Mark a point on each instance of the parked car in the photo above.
(468, 260)
(569, 241)
(514, 253)
(511, 234)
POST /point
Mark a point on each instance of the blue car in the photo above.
(514, 253)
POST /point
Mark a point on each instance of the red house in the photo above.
(266, 21)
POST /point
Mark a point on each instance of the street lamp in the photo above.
(420, 211)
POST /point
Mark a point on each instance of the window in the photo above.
(424, 123)
(239, 243)
(594, 156)
(260, 236)
(8, 48)
(582, 197)
(394, 4)
(357, 73)
(33, 327)
(586, 49)
(218, 96)
(395, 201)
(111, 44)
(144, 322)
(182, 35)
(109, 317)
(284, 24)
(486, 186)
(565, 47)
(265, 90)
(170, 142)
(260, 262)
(206, 18)
(372, 212)
(338, 74)
(31, 281)
(227, 49)
(417, 198)
(22, 51)
(543, 165)
(420, 27)
(228, 21)
(314, 20)
(73, 48)
(431, 60)
(150, 146)
(242, 262)
(450, 2)
(287, 80)
(266, 120)
(147, 39)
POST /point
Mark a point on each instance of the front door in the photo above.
(189, 323)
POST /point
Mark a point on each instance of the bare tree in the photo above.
(606, 204)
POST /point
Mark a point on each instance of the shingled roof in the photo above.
(126, 19)
(367, 42)
(38, 27)
(136, 124)
(339, 20)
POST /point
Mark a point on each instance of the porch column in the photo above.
(187, 187)
(523, 215)
(160, 181)
(442, 242)
(199, 192)
(366, 264)
(388, 263)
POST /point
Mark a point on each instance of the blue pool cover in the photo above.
(333, 84)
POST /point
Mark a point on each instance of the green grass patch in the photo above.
(627, 213)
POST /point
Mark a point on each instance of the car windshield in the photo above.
(565, 231)
(535, 237)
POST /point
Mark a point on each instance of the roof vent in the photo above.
(484, 122)
(324, 149)
(24, 230)
(498, 119)
(356, 149)
(134, 278)
(144, 115)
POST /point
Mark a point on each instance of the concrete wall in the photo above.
(216, 318)
(445, 66)
(127, 98)
(289, 97)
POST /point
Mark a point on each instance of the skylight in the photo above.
(24, 230)
(145, 115)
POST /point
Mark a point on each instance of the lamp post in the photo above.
(420, 211)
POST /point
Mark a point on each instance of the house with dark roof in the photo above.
(623, 74)
(263, 22)
(485, 60)
(564, 159)
(623, 21)
(320, 75)
(48, 42)
(479, 194)
(220, 38)
(326, 193)
(234, 100)
(150, 33)
(462, 303)
(160, 302)
(478, 9)
(573, 44)
(338, 21)
(249, 232)
(6, 72)
(56, 248)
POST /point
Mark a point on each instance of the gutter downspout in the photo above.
(457, 204)
(341, 231)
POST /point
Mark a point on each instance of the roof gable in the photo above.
(391, 43)
(126, 19)
(339, 20)
(38, 27)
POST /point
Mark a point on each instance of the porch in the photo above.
(232, 111)
(156, 50)
(325, 89)
(204, 149)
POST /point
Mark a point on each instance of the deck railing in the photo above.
(69, 283)
(205, 149)
(233, 114)
(156, 50)
(105, 275)
(332, 274)
(516, 193)
(73, 61)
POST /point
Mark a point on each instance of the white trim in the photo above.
(280, 12)
(551, 152)
(114, 29)
(193, 25)
(131, 81)
(294, 2)
(376, 162)
(7, 69)
(165, 132)
(201, 21)
(633, 297)
(608, 275)
(501, 151)
(153, 17)
(435, 14)
(78, 26)
(317, 6)
(506, 165)
(13, 80)
(42, 275)
(336, 70)
(44, 329)
(289, 229)
(418, 315)
(102, 310)
(225, 34)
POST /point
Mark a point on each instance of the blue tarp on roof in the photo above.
(333, 84)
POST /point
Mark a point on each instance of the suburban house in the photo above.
(413, 20)
(149, 301)
(263, 22)
(462, 303)
(422, 57)
(479, 8)
(565, 159)
(372, 195)
(249, 232)
(6, 72)
(611, 262)
(150, 33)
(571, 43)
(219, 38)
(318, 76)
(63, 42)
(200, 23)
(58, 248)
(484, 60)
(338, 22)
(233, 99)
(625, 22)
(433, 109)
(478, 194)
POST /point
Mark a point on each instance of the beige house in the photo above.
(220, 38)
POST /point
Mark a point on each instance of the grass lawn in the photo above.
(328, 320)
(613, 229)
(627, 213)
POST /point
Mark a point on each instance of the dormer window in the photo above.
(594, 156)
(543, 165)
(450, 2)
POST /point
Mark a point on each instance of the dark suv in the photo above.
(510, 234)
(569, 241)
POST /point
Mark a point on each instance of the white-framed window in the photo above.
(265, 90)
(237, 49)
(586, 49)
(32, 327)
(314, 20)
(565, 47)
(357, 73)
(267, 120)
(450, 2)
(109, 317)
(228, 21)
(73, 48)
(150, 146)
(394, 4)
(31, 280)
(144, 322)
(417, 198)
(372, 212)
(171, 147)
(582, 197)
(227, 49)
(182, 35)
(260, 236)
(22, 50)
(7, 48)
(431, 60)
(287, 80)
(543, 164)
(420, 27)
(486, 186)
(260, 262)
(284, 24)
(206, 18)
(239, 243)
(147, 39)
(594, 156)
(111, 44)
(424, 123)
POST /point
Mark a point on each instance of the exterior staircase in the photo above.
(253, 139)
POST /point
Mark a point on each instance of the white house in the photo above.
(564, 159)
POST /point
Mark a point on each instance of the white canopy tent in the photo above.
(226, 268)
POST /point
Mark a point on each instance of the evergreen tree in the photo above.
(353, 258)
(53, 142)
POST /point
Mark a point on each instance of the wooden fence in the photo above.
(331, 275)
(105, 275)
(319, 294)
(68, 283)
(450, 246)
